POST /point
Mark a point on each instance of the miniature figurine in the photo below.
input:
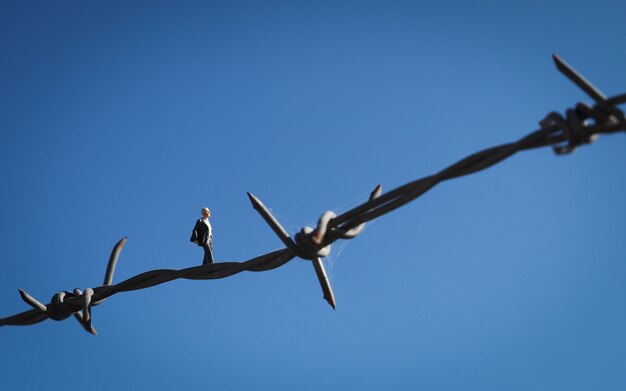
(202, 235)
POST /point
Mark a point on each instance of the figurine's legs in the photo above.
(208, 253)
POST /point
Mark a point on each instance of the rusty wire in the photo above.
(580, 125)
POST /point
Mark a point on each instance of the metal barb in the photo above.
(115, 254)
(564, 133)
(32, 301)
(87, 305)
(578, 79)
(88, 327)
(272, 222)
(329, 296)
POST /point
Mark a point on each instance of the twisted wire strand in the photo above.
(580, 125)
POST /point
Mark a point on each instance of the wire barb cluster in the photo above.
(580, 125)
(575, 124)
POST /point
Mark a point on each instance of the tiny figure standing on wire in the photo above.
(202, 235)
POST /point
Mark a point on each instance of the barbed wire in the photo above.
(580, 125)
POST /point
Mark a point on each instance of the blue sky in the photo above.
(124, 119)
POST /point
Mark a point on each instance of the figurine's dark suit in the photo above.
(203, 237)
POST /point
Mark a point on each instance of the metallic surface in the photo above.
(580, 125)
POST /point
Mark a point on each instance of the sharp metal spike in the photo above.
(32, 301)
(115, 254)
(578, 79)
(272, 222)
(87, 305)
(88, 327)
(376, 192)
(329, 296)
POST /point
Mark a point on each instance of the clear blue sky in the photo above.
(121, 119)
